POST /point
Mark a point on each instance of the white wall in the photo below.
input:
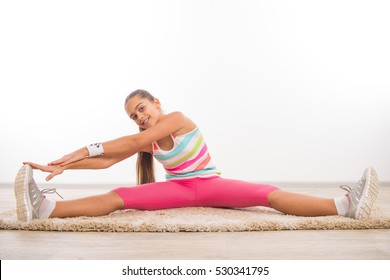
(282, 90)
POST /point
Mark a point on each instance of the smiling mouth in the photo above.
(145, 121)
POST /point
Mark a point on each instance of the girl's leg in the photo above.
(221, 192)
(357, 203)
(145, 197)
(98, 205)
(31, 203)
(301, 205)
(160, 195)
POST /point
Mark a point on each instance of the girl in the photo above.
(192, 178)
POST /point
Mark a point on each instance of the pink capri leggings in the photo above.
(204, 192)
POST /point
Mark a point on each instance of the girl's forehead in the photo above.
(133, 103)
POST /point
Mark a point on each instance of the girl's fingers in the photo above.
(48, 178)
(33, 165)
(54, 171)
(43, 168)
(53, 174)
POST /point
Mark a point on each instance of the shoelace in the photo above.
(51, 191)
(348, 188)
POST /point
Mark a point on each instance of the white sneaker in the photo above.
(27, 194)
(363, 195)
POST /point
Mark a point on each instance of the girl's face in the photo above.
(143, 112)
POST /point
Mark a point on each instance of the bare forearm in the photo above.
(124, 145)
(90, 163)
(99, 162)
(111, 152)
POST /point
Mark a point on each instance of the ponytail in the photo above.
(145, 167)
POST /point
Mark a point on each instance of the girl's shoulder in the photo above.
(176, 114)
(172, 124)
(187, 125)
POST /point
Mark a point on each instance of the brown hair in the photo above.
(145, 165)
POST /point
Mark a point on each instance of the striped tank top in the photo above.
(189, 157)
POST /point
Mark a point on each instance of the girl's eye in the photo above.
(141, 109)
(135, 117)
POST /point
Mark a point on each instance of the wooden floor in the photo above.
(273, 245)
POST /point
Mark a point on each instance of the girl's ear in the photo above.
(157, 103)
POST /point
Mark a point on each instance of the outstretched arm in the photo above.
(86, 163)
(127, 146)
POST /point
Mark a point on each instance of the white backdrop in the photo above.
(282, 90)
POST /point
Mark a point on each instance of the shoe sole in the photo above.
(23, 205)
(370, 193)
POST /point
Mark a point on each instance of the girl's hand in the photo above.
(70, 158)
(53, 169)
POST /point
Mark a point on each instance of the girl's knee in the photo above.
(116, 199)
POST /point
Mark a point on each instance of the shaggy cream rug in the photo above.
(196, 220)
